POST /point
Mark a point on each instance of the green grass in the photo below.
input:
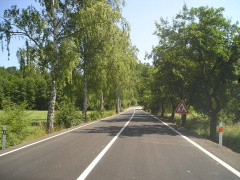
(200, 124)
(38, 123)
(231, 137)
(37, 115)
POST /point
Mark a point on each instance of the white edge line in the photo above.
(9, 152)
(230, 168)
(48, 138)
(98, 158)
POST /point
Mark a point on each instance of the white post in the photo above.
(220, 134)
(4, 137)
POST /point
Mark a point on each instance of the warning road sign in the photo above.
(181, 108)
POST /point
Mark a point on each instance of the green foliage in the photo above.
(94, 115)
(231, 137)
(33, 88)
(67, 115)
(69, 59)
(196, 61)
(17, 121)
(199, 123)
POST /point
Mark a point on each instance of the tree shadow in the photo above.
(139, 125)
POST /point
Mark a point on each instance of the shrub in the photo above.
(231, 137)
(93, 115)
(67, 115)
(17, 121)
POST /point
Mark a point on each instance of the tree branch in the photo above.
(21, 33)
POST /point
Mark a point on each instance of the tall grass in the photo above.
(37, 127)
(37, 117)
(200, 124)
(231, 137)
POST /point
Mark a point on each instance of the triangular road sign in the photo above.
(181, 108)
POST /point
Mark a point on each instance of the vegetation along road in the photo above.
(131, 145)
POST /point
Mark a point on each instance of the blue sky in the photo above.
(141, 15)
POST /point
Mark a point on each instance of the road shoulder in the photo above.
(224, 153)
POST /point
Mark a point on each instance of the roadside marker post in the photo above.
(4, 137)
(220, 134)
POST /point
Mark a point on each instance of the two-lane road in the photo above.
(132, 145)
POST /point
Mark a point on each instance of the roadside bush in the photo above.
(17, 121)
(198, 123)
(94, 115)
(67, 115)
(231, 137)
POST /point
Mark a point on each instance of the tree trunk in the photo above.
(101, 102)
(173, 113)
(163, 110)
(51, 108)
(213, 125)
(120, 105)
(52, 101)
(117, 105)
(85, 96)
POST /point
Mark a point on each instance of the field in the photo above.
(37, 116)
(37, 126)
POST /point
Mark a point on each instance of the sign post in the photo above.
(181, 109)
(4, 137)
(220, 134)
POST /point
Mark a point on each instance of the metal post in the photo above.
(181, 120)
(220, 134)
(4, 137)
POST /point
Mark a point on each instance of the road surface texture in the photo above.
(132, 145)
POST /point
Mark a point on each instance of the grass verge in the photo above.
(38, 120)
(200, 124)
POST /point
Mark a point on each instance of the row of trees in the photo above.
(197, 60)
(81, 45)
(80, 51)
(29, 86)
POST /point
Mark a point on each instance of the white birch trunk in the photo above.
(117, 105)
(51, 108)
(101, 102)
(56, 25)
(85, 96)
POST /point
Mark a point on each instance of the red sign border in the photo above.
(181, 103)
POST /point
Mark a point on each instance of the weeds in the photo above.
(231, 137)
(200, 124)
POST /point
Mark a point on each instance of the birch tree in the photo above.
(44, 29)
(96, 22)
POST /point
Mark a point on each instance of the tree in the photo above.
(173, 73)
(96, 26)
(211, 40)
(204, 44)
(44, 29)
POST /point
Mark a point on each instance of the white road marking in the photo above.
(47, 139)
(53, 136)
(230, 168)
(98, 158)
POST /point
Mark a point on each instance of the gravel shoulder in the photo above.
(223, 153)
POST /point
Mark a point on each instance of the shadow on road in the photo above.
(141, 124)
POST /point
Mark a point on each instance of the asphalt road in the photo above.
(132, 145)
